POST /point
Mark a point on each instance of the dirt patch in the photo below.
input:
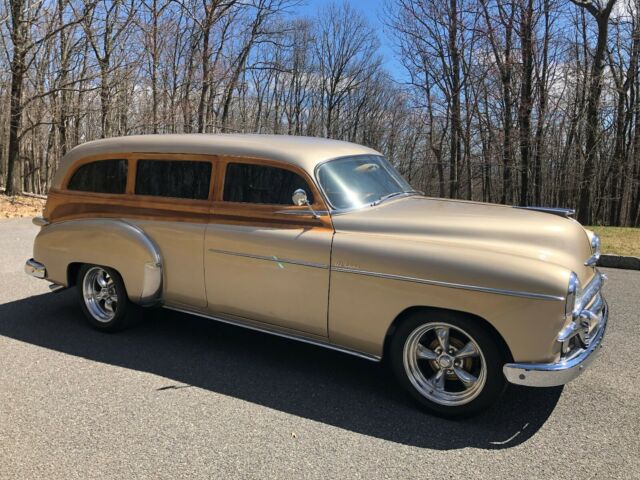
(20, 206)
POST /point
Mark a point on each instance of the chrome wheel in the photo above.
(99, 294)
(444, 363)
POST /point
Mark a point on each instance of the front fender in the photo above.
(107, 242)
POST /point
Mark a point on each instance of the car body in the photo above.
(323, 241)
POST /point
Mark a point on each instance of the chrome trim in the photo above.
(561, 212)
(290, 336)
(559, 373)
(271, 259)
(438, 283)
(35, 269)
(588, 293)
(153, 271)
(303, 213)
(572, 293)
(585, 315)
(56, 287)
(40, 221)
(592, 261)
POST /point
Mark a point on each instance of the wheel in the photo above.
(448, 362)
(104, 299)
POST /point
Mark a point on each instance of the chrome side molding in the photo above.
(439, 283)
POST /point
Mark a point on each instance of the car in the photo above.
(324, 242)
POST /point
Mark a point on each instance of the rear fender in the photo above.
(108, 242)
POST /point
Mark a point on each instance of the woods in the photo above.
(524, 102)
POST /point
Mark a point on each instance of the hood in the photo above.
(483, 226)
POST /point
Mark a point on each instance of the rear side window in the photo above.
(173, 178)
(103, 176)
(260, 184)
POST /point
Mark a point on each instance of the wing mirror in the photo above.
(299, 198)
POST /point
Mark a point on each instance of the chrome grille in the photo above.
(587, 318)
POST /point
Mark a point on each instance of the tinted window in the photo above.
(173, 178)
(258, 184)
(104, 176)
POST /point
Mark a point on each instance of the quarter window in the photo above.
(249, 183)
(173, 178)
(103, 176)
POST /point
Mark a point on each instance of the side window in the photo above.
(173, 178)
(249, 183)
(102, 176)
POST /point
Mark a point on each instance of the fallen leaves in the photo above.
(20, 206)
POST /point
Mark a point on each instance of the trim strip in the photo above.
(271, 259)
(512, 293)
(277, 333)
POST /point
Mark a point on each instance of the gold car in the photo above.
(324, 242)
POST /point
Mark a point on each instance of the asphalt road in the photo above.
(183, 397)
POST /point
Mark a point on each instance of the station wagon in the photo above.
(324, 242)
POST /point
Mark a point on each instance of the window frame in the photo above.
(175, 158)
(96, 159)
(132, 162)
(318, 201)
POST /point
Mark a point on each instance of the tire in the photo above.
(104, 300)
(474, 380)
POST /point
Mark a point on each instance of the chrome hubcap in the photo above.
(444, 363)
(99, 293)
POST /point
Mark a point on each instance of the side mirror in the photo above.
(299, 198)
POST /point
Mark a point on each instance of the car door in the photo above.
(172, 203)
(267, 260)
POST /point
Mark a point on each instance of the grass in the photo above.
(619, 240)
(20, 206)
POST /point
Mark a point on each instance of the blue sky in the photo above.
(373, 10)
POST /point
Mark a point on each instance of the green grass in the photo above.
(619, 240)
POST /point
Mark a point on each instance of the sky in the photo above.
(373, 11)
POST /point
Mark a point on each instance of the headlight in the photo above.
(574, 292)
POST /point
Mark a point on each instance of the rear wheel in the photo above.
(448, 362)
(104, 299)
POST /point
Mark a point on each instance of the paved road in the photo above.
(183, 397)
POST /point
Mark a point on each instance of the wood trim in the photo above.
(255, 213)
(66, 204)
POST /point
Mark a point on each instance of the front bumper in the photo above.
(554, 374)
(35, 269)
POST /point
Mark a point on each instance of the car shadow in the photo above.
(300, 379)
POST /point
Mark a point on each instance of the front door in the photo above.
(267, 260)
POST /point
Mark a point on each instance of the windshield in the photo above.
(363, 180)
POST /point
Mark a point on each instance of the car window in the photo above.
(103, 176)
(351, 182)
(173, 178)
(248, 183)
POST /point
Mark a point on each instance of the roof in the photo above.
(304, 152)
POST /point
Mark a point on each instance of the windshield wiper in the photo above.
(395, 194)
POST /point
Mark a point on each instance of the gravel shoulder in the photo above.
(183, 397)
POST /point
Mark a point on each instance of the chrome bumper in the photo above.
(35, 269)
(554, 374)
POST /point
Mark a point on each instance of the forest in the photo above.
(520, 102)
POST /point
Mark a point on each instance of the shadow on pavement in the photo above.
(285, 375)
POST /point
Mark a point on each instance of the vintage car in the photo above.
(324, 242)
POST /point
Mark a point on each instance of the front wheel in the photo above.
(448, 362)
(104, 299)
